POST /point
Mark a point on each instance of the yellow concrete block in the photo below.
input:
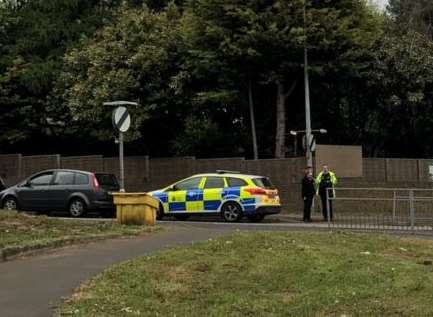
(135, 208)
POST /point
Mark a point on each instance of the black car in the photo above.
(62, 190)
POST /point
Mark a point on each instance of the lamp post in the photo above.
(308, 131)
(121, 122)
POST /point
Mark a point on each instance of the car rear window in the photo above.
(108, 181)
(214, 182)
(64, 178)
(236, 182)
(263, 182)
(81, 179)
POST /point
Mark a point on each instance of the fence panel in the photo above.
(402, 170)
(92, 163)
(165, 171)
(136, 171)
(425, 169)
(34, 164)
(10, 168)
(374, 169)
(212, 165)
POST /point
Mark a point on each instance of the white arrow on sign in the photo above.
(121, 119)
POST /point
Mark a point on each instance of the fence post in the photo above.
(328, 211)
(394, 206)
(412, 209)
(20, 166)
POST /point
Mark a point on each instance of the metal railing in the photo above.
(398, 209)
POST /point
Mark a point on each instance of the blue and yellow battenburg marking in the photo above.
(209, 200)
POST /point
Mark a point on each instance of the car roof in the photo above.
(236, 175)
(64, 170)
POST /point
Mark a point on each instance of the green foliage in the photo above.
(402, 83)
(34, 37)
(133, 59)
(202, 136)
(416, 15)
(189, 65)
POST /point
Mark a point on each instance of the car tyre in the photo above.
(256, 218)
(77, 207)
(160, 212)
(10, 203)
(231, 212)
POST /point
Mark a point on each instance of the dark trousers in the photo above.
(324, 207)
(308, 202)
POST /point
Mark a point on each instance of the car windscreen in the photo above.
(107, 181)
(263, 182)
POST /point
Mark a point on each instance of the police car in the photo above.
(230, 194)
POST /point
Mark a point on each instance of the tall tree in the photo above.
(263, 42)
(33, 38)
(135, 59)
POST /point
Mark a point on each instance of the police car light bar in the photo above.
(227, 172)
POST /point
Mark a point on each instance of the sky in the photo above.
(380, 3)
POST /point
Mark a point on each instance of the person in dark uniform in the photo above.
(326, 179)
(308, 192)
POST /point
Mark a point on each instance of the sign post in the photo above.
(121, 122)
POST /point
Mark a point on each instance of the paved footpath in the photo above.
(34, 286)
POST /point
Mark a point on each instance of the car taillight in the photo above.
(96, 183)
(256, 191)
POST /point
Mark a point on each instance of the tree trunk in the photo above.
(252, 118)
(280, 122)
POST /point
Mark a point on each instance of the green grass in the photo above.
(18, 230)
(268, 274)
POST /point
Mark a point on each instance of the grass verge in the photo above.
(268, 274)
(23, 233)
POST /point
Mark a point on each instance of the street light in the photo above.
(295, 139)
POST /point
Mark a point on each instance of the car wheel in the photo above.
(231, 212)
(77, 207)
(181, 217)
(256, 218)
(10, 203)
(160, 212)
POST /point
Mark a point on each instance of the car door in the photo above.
(182, 194)
(212, 193)
(32, 195)
(59, 190)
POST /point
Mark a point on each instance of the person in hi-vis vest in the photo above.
(326, 179)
